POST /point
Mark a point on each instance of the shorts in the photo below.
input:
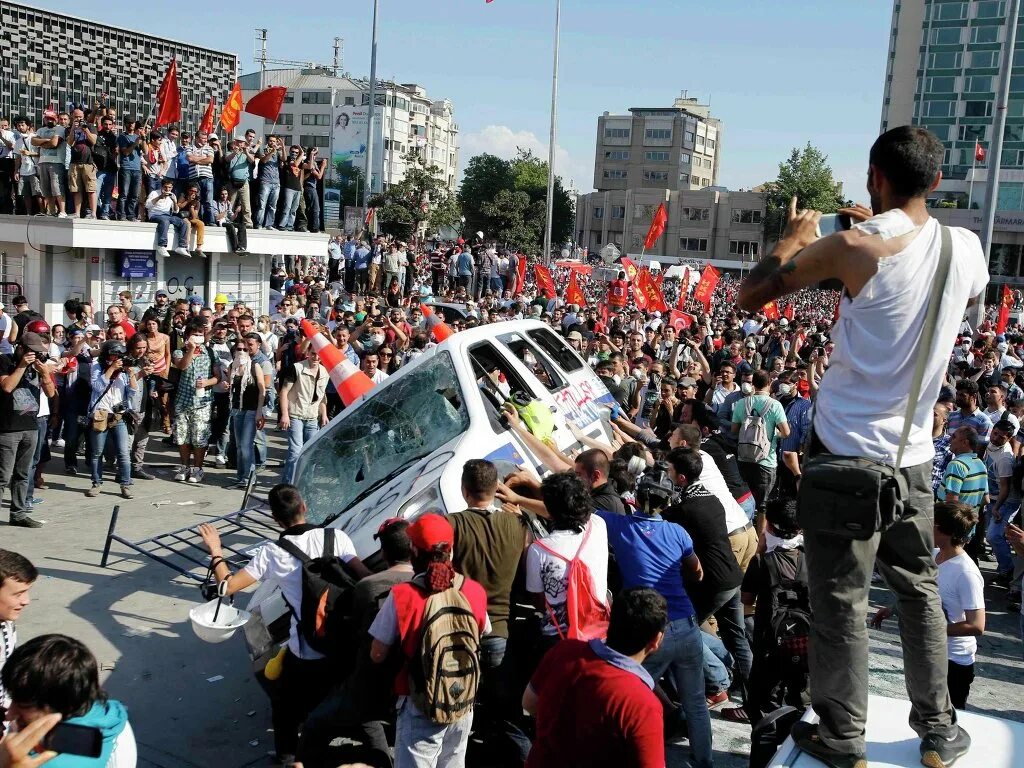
(82, 178)
(192, 427)
(28, 186)
(49, 179)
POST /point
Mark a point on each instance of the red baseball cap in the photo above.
(429, 530)
(387, 524)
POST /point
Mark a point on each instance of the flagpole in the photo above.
(551, 139)
(974, 168)
(368, 189)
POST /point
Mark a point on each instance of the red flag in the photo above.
(573, 294)
(789, 313)
(680, 320)
(653, 298)
(1005, 305)
(705, 289)
(604, 314)
(267, 103)
(639, 297)
(544, 281)
(206, 126)
(659, 279)
(629, 267)
(232, 111)
(771, 311)
(521, 267)
(169, 97)
(657, 227)
(684, 289)
(979, 151)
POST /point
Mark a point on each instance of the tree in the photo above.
(507, 200)
(419, 200)
(807, 175)
(349, 181)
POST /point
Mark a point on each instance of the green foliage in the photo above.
(350, 183)
(421, 200)
(807, 175)
(506, 199)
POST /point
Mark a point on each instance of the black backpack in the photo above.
(789, 630)
(323, 616)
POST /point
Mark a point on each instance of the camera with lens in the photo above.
(655, 490)
(132, 362)
(119, 408)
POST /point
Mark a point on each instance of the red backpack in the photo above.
(587, 615)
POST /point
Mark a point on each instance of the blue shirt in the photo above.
(967, 477)
(348, 250)
(650, 552)
(133, 160)
(362, 258)
(981, 423)
(798, 414)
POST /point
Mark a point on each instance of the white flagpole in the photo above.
(546, 256)
(974, 167)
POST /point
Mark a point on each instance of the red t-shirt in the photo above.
(129, 328)
(592, 713)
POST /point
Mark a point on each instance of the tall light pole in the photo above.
(546, 256)
(368, 189)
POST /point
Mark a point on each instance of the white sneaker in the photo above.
(221, 461)
(181, 473)
(196, 475)
(161, 250)
(58, 443)
(183, 252)
(62, 215)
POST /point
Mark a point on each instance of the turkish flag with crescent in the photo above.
(680, 320)
(573, 294)
(705, 290)
(771, 311)
(544, 281)
(1005, 305)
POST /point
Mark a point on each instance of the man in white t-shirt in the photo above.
(305, 677)
(17, 575)
(887, 263)
(574, 529)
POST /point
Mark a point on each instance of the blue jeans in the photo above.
(105, 186)
(206, 199)
(267, 207)
(300, 432)
(682, 655)
(243, 430)
(749, 506)
(153, 183)
(288, 209)
(128, 183)
(312, 209)
(118, 433)
(165, 220)
(996, 535)
(728, 611)
(41, 422)
(717, 661)
(499, 698)
(422, 743)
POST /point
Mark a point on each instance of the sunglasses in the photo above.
(387, 354)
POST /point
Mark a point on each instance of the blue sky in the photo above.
(778, 74)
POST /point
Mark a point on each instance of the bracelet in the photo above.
(217, 560)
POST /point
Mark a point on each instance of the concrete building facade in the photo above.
(50, 58)
(673, 147)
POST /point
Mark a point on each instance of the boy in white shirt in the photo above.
(162, 205)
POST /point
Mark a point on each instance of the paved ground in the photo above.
(195, 704)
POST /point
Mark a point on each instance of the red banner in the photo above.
(267, 103)
(521, 270)
(680, 320)
(705, 289)
(789, 312)
(629, 267)
(544, 281)
(206, 126)
(573, 294)
(657, 227)
(684, 289)
(232, 111)
(169, 97)
(575, 266)
(604, 315)
(653, 298)
(1005, 305)
(659, 278)
(771, 311)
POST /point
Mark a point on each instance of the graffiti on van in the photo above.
(581, 403)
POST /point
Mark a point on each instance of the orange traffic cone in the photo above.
(437, 327)
(350, 382)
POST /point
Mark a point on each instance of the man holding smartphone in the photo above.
(161, 206)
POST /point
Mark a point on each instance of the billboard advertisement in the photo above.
(349, 134)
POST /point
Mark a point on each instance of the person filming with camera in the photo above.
(23, 375)
(865, 487)
(114, 385)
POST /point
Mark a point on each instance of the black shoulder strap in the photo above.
(328, 542)
(774, 575)
(293, 550)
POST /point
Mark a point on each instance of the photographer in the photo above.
(145, 403)
(130, 145)
(270, 183)
(114, 384)
(162, 206)
(23, 376)
(860, 413)
(313, 169)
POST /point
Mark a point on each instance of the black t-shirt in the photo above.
(665, 421)
(605, 497)
(291, 177)
(106, 158)
(24, 318)
(725, 459)
(703, 517)
(81, 149)
(249, 399)
(19, 409)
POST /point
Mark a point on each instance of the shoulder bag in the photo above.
(854, 497)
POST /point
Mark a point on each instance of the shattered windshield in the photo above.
(394, 427)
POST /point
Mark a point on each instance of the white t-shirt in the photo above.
(8, 642)
(273, 563)
(961, 589)
(863, 397)
(546, 573)
(712, 479)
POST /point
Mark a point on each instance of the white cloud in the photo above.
(503, 142)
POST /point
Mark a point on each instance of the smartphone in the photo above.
(831, 223)
(71, 739)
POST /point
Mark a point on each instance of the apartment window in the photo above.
(656, 157)
(655, 175)
(614, 173)
(316, 97)
(985, 58)
(684, 178)
(700, 140)
(693, 244)
(684, 159)
(978, 84)
(598, 212)
(1009, 197)
(315, 141)
(745, 216)
(946, 36)
(743, 247)
(350, 101)
(1012, 158)
(617, 154)
(971, 133)
(940, 84)
(942, 131)
(984, 34)
(643, 212)
(990, 9)
(285, 118)
(711, 144)
(939, 109)
(618, 211)
(948, 11)
(696, 214)
(689, 136)
(289, 98)
(945, 60)
(316, 119)
(707, 162)
(658, 133)
(1014, 132)
(1015, 108)
(616, 133)
(977, 108)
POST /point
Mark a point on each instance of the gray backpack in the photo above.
(754, 443)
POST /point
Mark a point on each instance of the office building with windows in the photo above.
(330, 112)
(943, 72)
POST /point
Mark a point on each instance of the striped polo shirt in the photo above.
(967, 477)
(201, 171)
